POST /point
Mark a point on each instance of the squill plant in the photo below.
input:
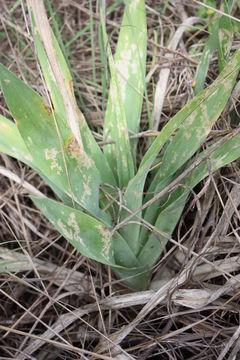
(100, 206)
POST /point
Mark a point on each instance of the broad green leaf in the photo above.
(220, 155)
(66, 199)
(115, 125)
(136, 279)
(90, 146)
(221, 36)
(132, 199)
(37, 128)
(42, 25)
(11, 142)
(88, 235)
(49, 77)
(191, 109)
(209, 48)
(225, 35)
(166, 222)
(130, 63)
(123, 255)
(173, 207)
(151, 213)
(194, 128)
(13, 145)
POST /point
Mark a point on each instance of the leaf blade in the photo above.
(89, 143)
(132, 199)
(36, 126)
(209, 48)
(115, 125)
(225, 35)
(88, 235)
(219, 156)
(11, 142)
(193, 127)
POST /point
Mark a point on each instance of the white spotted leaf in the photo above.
(13, 145)
(127, 70)
(88, 235)
(170, 210)
(59, 159)
(90, 145)
(193, 124)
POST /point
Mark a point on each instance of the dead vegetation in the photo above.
(56, 304)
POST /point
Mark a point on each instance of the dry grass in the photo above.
(56, 304)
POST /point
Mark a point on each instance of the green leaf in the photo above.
(137, 279)
(209, 48)
(130, 62)
(89, 236)
(165, 224)
(13, 145)
(90, 145)
(195, 129)
(37, 128)
(225, 35)
(132, 199)
(195, 122)
(11, 142)
(221, 37)
(192, 109)
(115, 124)
(219, 156)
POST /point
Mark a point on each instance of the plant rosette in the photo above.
(101, 208)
